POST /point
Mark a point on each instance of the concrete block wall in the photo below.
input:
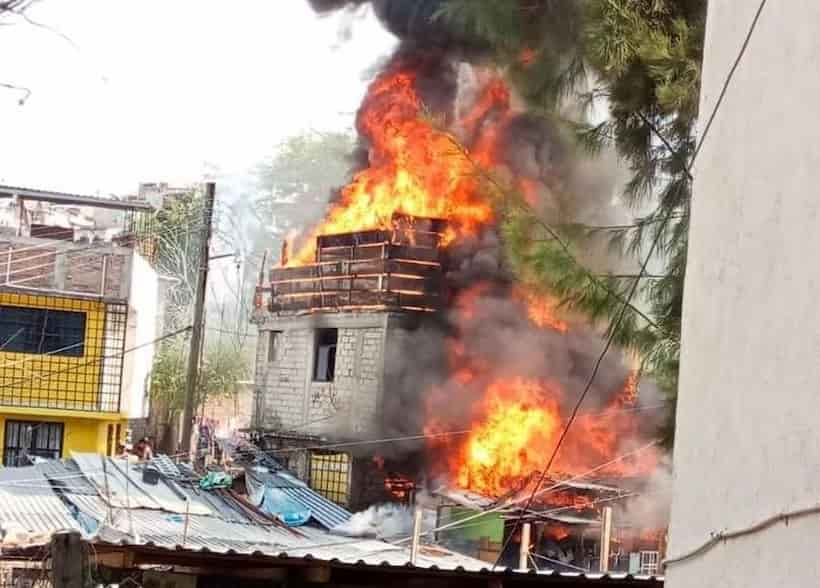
(348, 407)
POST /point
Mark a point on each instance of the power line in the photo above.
(555, 486)
(728, 80)
(497, 508)
(357, 443)
(619, 319)
(95, 360)
(596, 367)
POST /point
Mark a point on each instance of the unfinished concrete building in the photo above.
(327, 329)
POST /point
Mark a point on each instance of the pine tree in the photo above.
(643, 57)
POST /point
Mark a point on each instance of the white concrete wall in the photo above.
(143, 307)
(748, 428)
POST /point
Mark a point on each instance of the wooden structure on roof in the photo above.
(391, 269)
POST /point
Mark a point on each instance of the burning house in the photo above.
(330, 327)
(400, 355)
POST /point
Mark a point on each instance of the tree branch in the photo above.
(564, 246)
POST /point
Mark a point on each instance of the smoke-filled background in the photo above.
(488, 329)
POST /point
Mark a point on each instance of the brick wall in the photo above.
(351, 405)
(66, 267)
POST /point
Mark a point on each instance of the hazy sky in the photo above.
(155, 89)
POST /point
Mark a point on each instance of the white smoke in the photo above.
(385, 521)
(650, 509)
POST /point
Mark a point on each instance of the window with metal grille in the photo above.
(649, 562)
(324, 360)
(26, 439)
(330, 476)
(42, 330)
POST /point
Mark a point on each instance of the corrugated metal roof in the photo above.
(29, 507)
(225, 529)
(124, 487)
(327, 513)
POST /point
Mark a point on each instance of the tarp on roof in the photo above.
(325, 512)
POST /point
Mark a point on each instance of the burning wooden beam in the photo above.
(397, 269)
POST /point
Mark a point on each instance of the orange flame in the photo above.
(516, 429)
(520, 419)
(415, 168)
(542, 309)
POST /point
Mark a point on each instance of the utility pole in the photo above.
(198, 330)
(524, 550)
(606, 538)
(414, 546)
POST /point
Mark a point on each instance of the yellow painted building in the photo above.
(61, 363)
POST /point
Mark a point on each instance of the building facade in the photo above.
(70, 306)
(747, 444)
(327, 335)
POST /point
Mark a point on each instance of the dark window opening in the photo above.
(274, 340)
(25, 440)
(324, 361)
(41, 330)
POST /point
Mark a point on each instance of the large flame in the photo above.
(520, 419)
(415, 168)
(516, 422)
(516, 427)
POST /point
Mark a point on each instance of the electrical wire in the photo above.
(48, 375)
(616, 325)
(555, 486)
(613, 331)
(497, 508)
(358, 443)
(727, 81)
(722, 536)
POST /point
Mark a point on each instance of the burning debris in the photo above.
(416, 232)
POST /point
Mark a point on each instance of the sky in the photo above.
(161, 90)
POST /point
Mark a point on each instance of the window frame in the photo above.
(53, 430)
(330, 366)
(273, 345)
(50, 323)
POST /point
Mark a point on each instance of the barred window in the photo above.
(25, 440)
(41, 330)
(330, 476)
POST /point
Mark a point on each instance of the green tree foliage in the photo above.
(642, 59)
(177, 234)
(290, 193)
(223, 366)
(300, 179)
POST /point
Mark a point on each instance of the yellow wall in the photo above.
(55, 381)
(330, 476)
(83, 435)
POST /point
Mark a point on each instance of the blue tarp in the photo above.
(278, 504)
